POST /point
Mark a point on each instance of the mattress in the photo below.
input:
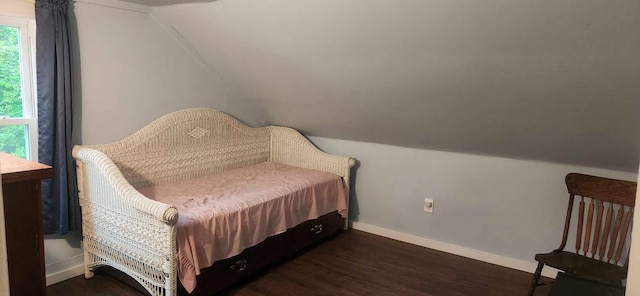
(222, 214)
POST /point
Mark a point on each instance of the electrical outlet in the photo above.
(428, 205)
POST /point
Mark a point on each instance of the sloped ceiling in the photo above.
(544, 80)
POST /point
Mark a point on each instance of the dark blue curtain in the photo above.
(54, 79)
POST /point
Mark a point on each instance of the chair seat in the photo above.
(584, 267)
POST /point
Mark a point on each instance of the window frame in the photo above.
(27, 78)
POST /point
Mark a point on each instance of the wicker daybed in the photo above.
(142, 235)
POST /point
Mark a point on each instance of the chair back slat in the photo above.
(614, 234)
(623, 234)
(580, 222)
(587, 234)
(605, 234)
(596, 235)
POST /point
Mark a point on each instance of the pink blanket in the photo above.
(220, 215)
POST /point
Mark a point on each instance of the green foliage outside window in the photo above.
(12, 138)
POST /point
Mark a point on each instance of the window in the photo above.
(18, 123)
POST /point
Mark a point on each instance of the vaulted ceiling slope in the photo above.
(555, 81)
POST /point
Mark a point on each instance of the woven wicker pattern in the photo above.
(124, 229)
(187, 144)
(289, 147)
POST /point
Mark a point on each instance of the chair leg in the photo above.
(536, 277)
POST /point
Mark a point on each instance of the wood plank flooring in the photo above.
(355, 263)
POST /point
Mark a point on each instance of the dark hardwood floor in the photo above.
(355, 263)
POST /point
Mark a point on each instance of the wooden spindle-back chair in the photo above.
(605, 212)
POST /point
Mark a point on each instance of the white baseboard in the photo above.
(453, 249)
(64, 275)
(65, 269)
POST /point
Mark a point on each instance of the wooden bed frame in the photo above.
(137, 236)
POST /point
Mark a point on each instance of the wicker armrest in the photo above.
(104, 174)
(288, 146)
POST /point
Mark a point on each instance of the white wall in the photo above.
(129, 70)
(15, 8)
(633, 280)
(507, 207)
(133, 71)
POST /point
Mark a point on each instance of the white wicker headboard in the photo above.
(187, 144)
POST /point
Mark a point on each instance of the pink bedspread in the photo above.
(220, 215)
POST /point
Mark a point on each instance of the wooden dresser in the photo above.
(23, 223)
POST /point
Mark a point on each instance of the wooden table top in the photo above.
(15, 169)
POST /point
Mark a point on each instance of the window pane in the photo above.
(10, 84)
(13, 140)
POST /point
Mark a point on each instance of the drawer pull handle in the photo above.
(239, 266)
(316, 229)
